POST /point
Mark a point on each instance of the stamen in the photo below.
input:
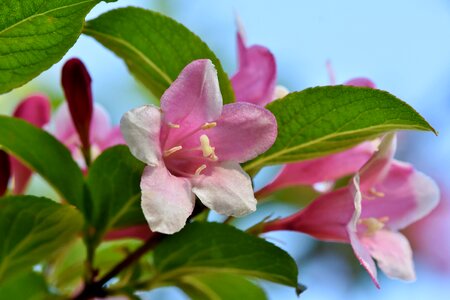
(200, 169)
(172, 125)
(373, 224)
(172, 150)
(374, 192)
(209, 125)
(205, 146)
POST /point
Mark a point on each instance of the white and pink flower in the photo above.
(193, 145)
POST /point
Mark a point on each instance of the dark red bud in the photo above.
(76, 83)
(5, 172)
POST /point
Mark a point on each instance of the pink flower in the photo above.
(383, 198)
(193, 146)
(84, 127)
(255, 80)
(102, 133)
(36, 110)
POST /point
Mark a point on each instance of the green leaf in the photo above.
(32, 229)
(114, 182)
(30, 286)
(35, 34)
(202, 248)
(220, 287)
(44, 154)
(322, 120)
(155, 47)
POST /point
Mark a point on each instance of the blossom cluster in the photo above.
(193, 147)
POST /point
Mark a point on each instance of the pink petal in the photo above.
(326, 218)
(322, 169)
(5, 172)
(76, 83)
(255, 79)
(113, 138)
(167, 201)
(194, 98)
(376, 169)
(100, 124)
(409, 195)
(363, 256)
(359, 249)
(227, 189)
(35, 109)
(392, 252)
(362, 82)
(243, 132)
(21, 175)
(64, 130)
(141, 128)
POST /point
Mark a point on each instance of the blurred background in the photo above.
(403, 46)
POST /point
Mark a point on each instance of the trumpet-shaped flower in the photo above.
(383, 198)
(193, 145)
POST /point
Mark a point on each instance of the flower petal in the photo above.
(35, 109)
(392, 252)
(363, 256)
(194, 98)
(326, 218)
(361, 81)
(322, 169)
(141, 128)
(100, 124)
(243, 132)
(255, 79)
(407, 196)
(113, 138)
(167, 201)
(376, 169)
(226, 190)
(21, 175)
(359, 249)
(63, 129)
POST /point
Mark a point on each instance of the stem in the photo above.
(95, 289)
(86, 155)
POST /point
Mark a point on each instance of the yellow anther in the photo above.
(373, 224)
(172, 150)
(205, 146)
(172, 125)
(209, 125)
(200, 169)
(374, 192)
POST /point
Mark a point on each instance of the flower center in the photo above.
(373, 224)
(190, 154)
